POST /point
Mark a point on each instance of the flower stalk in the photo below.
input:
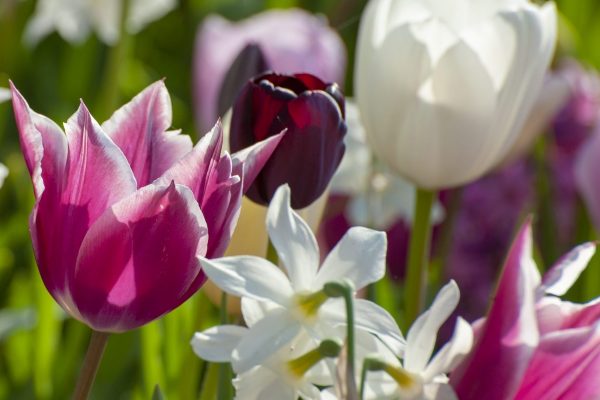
(345, 290)
(418, 256)
(90, 365)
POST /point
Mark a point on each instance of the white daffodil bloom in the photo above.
(378, 198)
(425, 376)
(283, 375)
(287, 304)
(74, 19)
(277, 377)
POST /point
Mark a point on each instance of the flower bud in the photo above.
(312, 113)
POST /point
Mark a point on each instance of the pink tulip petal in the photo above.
(139, 128)
(559, 279)
(554, 314)
(45, 149)
(208, 175)
(508, 337)
(566, 365)
(76, 178)
(248, 162)
(44, 145)
(139, 260)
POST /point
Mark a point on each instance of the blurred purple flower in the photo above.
(292, 41)
(571, 129)
(488, 213)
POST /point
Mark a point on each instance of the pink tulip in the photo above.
(533, 345)
(118, 224)
(292, 41)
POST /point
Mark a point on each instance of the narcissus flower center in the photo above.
(308, 304)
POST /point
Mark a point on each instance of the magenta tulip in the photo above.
(533, 345)
(117, 228)
(312, 115)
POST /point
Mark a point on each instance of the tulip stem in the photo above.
(90, 365)
(418, 256)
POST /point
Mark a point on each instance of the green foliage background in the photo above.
(40, 348)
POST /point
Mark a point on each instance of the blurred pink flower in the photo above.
(531, 344)
(292, 41)
(117, 247)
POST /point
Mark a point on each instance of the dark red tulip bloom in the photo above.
(312, 113)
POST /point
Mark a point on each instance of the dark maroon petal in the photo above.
(311, 82)
(308, 154)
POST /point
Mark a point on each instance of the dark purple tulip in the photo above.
(312, 113)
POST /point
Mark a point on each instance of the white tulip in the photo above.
(444, 86)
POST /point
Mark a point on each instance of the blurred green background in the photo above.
(40, 349)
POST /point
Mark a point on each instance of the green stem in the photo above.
(345, 289)
(363, 378)
(418, 256)
(224, 389)
(90, 365)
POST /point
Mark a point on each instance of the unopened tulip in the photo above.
(312, 115)
(291, 41)
(444, 87)
(124, 210)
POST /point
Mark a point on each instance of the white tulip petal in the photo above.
(265, 338)
(421, 336)
(452, 352)
(217, 343)
(248, 276)
(559, 279)
(536, 32)
(373, 87)
(294, 241)
(460, 94)
(358, 257)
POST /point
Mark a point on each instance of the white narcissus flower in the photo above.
(427, 374)
(274, 378)
(279, 306)
(378, 198)
(444, 86)
(279, 376)
(73, 19)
